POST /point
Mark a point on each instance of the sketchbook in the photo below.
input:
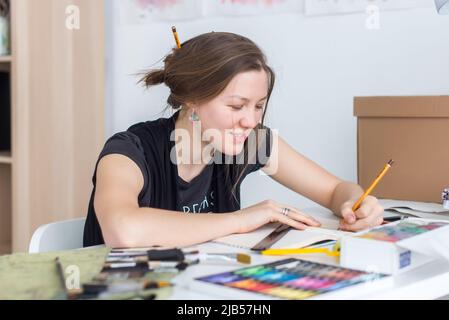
(293, 238)
(426, 210)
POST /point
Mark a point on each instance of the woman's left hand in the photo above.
(369, 215)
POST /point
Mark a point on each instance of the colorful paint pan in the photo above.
(291, 279)
(401, 231)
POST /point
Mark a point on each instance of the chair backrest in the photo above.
(63, 235)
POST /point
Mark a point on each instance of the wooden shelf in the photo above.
(75, 87)
(5, 157)
(5, 59)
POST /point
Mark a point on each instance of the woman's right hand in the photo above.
(268, 211)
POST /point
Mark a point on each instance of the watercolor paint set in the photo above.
(401, 231)
(291, 279)
(396, 247)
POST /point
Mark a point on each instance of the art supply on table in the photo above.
(291, 279)
(425, 210)
(411, 207)
(151, 255)
(123, 290)
(281, 252)
(356, 206)
(172, 260)
(394, 248)
(106, 276)
(275, 235)
(393, 219)
(154, 260)
(123, 286)
(107, 286)
(174, 266)
(272, 238)
(227, 257)
(445, 198)
(167, 264)
(36, 276)
(130, 295)
(126, 273)
(329, 248)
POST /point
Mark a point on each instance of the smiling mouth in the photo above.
(238, 137)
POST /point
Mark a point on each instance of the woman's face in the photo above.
(232, 115)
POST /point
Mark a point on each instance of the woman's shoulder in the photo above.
(155, 128)
(126, 143)
(150, 137)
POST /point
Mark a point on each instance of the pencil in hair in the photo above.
(175, 34)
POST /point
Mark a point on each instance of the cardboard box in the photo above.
(414, 131)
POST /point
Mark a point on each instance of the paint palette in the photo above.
(289, 279)
(401, 231)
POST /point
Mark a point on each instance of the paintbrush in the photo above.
(125, 259)
(232, 257)
(149, 265)
(150, 255)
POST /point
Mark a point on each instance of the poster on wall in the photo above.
(148, 11)
(250, 7)
(329, 7)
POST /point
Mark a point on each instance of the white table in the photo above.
(430, 281)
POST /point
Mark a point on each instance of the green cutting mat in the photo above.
(35, 277)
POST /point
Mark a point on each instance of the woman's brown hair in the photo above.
(203, 67)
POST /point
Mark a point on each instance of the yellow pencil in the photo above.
(175, 34)
(333, 252)
(373, 185)
(281, 252)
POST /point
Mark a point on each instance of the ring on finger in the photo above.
(285, 211)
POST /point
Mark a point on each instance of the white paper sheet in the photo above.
(428, 207)
(294, 238)
(427, 210)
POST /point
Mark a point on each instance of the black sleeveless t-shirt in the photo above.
(149, 145)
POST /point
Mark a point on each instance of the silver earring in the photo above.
(194, 117)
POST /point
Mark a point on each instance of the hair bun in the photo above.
(154, 77)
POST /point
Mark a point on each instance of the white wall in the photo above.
(321, 64)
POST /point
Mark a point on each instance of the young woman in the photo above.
(176, 181)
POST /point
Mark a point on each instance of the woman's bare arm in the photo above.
(124, 224)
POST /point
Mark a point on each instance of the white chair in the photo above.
(63, 235)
